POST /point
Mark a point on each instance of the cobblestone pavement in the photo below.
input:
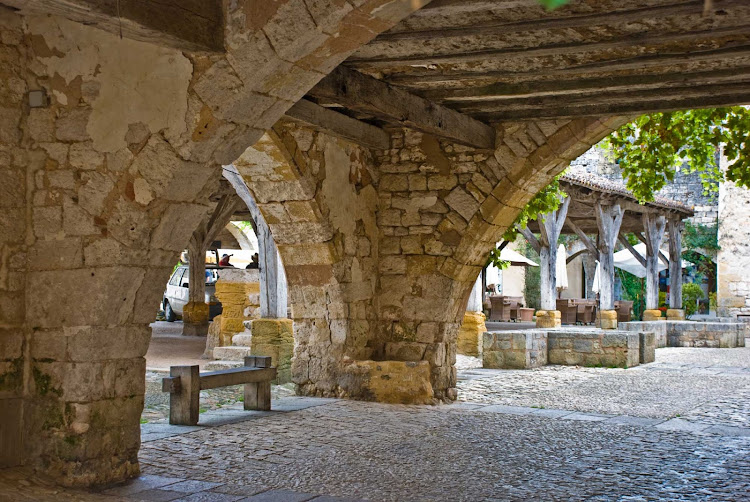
(607, 434)
(710, 385)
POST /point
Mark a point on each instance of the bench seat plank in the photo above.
(236, 376)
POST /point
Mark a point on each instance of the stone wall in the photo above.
(590, 347)
(239, 293)
(733, 259)
(521, 349)
(722, 333)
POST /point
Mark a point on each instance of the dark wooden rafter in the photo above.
(338, 124)
(364, 93)
(590, 246)
(624, 241)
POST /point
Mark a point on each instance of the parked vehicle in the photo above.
(176, 295)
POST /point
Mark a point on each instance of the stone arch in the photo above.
(246, 241)
(104, 186)
(317, 196)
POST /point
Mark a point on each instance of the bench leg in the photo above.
(258, 396)
(184, 406)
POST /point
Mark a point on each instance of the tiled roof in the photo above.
(601, 184)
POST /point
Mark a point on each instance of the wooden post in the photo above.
(608, 221)
(550, 226)
(184, 405)
(675, 263)
(654, 226)
(258, 395)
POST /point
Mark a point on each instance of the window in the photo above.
(175, 280)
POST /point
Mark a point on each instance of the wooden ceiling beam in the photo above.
(339, 125)
(364, 93)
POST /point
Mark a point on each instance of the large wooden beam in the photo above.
(675, 262)
(338, 124)
(654, 225)
(364, 93)
(590, 246)
(195, 25)
(608, 219)
(550, 226)
(624, 241)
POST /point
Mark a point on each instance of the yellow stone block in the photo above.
(195, 313)
(469, 341)
(652, 315)
(608, 319)
(395, 382)
(675, 315)
(548, 319)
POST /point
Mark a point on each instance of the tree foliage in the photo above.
(546, 201)
(651, 148)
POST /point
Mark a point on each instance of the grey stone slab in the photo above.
(168, 428)
(330, 498)
(155, 436)
(464, 406)
(193, 486)
(296, 404)
(586, 417)
(728, 430)
(140, 484)
(216, 420)
(679, 425)
(549, 413)
(210, 497)
(157, 495)
(280, 496)
(509, 410)
(243, 490)
(636, 421)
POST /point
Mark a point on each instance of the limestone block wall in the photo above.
(609, 349)
(521, 349)
(733, 259)
(239, 293)
(100, 191)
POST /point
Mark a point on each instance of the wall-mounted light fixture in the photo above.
(38, 99)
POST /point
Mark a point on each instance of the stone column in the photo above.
(675, 311)
(472, 328)
(654, 226)
(608, 219)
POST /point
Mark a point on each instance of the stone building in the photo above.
(388, 143)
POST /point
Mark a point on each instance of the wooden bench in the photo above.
(185, 383)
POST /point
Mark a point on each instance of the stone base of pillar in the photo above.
(675, 315)
(195, 319)
(652, 315)
(274, 338)
(394, 382)
(608, 319)
(469, 341)
(548, 319)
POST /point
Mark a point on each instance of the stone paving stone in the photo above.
(243, 490)
(677, 424)
(463, 406)
(510, 410)
(157, 495)
(280, 496)
(210, 497)
(637, 421)
(140, 484)
(543, 412)
(193, 486)
(586, 417)
(330, 498)
(728, 430)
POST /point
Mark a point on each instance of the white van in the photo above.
(176, 296)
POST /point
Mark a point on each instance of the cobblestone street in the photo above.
(673, 430)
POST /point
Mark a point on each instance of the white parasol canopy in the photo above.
(626, 261)
(561, 269)
(597, 285)
(516, 259)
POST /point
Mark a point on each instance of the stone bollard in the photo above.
(469, 341)
(652, 315)
(608, 319)
(548, 319)
(675, 315)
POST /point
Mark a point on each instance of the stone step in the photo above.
(231, 353)
(242, 340)
(222, 365)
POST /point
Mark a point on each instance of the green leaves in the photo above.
(651, 148)
(544, 202)
(553, 4)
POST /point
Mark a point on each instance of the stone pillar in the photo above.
(469, 341)
(274, 338)
(238, 291)
(195, 314)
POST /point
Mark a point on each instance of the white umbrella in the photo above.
(561, 269)
(626, 261)
(516, 259)
(597, 285)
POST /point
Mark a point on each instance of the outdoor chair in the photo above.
(623, 309)
(502, 307)
(585, 311)
(567, 308)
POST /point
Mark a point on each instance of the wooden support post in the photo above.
(675, 263)
(608, 220)
(550, 226)
(258, 394)
(184, 405)
(654, 226)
